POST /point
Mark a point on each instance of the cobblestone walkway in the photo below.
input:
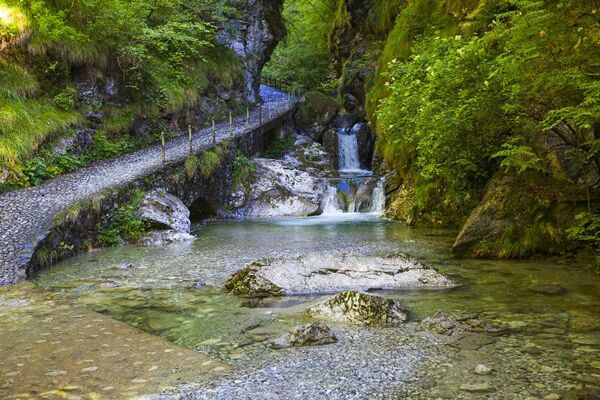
(27, 214)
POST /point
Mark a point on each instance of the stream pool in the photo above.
(553, 346)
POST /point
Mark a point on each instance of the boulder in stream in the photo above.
(165, 211)
(168, 215)
(279, 190)
(333, 272)
(313, 334)
(360, 309)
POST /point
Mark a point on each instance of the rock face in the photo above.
(315, 115)
(254, 40)
(359, 309)
(366, 143)
(280, 189)
(314, 334)
(334, 272)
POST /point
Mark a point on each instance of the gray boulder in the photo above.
(165, 211)
(280, 189)
(360, 309)
(314, 334)
(331, 272)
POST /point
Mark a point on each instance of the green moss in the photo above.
(191, 166)
(208, 163)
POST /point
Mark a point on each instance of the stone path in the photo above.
(27, 214)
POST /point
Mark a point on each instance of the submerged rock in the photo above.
(161, 238)
(165, 211)
(334, 272)
(280, 189)
(313, 334)
(360, 309)
(548, 289)
(444, 324)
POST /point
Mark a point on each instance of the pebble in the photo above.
(483, 370)
(89, 369)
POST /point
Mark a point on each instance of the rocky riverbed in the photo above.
(546, 345)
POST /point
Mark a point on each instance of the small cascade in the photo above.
(331, 204)
(349, 161)
(361, 192)
(378, 199)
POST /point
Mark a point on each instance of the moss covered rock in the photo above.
(313, 334)
(360, 309)
(520, 216)
(248, 282)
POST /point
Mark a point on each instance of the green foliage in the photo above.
(191, 166)
(122, 224)
(304, 58)
(209, 162)
(279, 147)
(586, 229)
(243, 172)
(447, 105)
(162, 54)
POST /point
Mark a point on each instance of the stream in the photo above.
(553, 345)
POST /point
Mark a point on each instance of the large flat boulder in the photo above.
(360, 309)
(333, 272)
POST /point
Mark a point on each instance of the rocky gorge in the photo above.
(277, 253)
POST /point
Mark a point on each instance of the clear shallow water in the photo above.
(558, 333)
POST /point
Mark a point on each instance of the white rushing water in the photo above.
(378, 199)
(331, 204)
(349, 161)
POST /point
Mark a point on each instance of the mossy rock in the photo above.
(248, 283)
(520, 216)
(360, 309)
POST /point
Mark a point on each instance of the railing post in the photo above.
(214, 131)
(164, 147)
(190, 139)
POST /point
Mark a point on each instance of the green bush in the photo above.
(122, 224)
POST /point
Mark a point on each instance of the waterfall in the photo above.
(378, 199)
(331, 203)
(349, 160)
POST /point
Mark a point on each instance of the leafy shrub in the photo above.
(243, 172)
(122, 224)
(279, 147)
